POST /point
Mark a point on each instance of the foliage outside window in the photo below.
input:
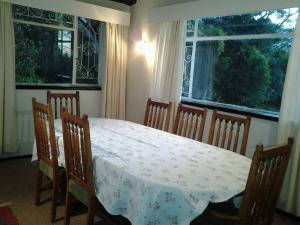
(239, 60)
(56, 48)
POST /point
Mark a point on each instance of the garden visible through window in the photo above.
(239, 60)
(56, 48)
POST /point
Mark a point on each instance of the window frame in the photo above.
(66, 86)
(58, 87)
(235, 109)
(242, 110)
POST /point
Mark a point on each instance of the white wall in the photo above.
(108, 4)
(138, 78)
(89, 104)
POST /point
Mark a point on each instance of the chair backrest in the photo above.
(190, 122)
(44, 133)
(77, 148)
(264, 183)
(64, 101)
(225, 132)
(158, 114)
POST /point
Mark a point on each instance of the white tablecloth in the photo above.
(156, 178)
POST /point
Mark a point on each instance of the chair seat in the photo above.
(79, 192)
(224, 213)
(102, 213)
(46, 169)
(223, 210)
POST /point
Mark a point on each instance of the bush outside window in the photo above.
(238, 61)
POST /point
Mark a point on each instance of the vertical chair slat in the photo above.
(154, 117)
(77, 152)
(67, 105)
(190, 125)
(218, 132)
(147, 112)
(45, 135)
(61, 104)
(230, 136)
(55, 107)
(202, 124)
(197, 132)
(186, 122)
(83, 155)
(161, 122)
(149, 120)
(180, 123)
(237, 135)
(158, 118)
(245, 135)
(224, 134)
(168, 116)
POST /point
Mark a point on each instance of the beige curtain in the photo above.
(114, 83)
(7, 81)
(168, 63)
(289, 126)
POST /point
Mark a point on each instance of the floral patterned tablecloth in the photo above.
(153, 177)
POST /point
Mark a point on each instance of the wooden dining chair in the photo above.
(190, 122)
(225, 132)
(47, 153)
(158, 114)
(263, 188)
(64, 101)
(79, 166)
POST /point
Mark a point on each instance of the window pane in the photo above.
(266, 22)
(43, 55)
(241, 72)
(42, 16)
(190, 28)
(89, 48)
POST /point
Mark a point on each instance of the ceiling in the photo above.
(126, 2)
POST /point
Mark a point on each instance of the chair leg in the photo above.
(54, 201)
(91, 212)
(39, 182)
(68, 208)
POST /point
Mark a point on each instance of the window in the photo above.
(238, 61)
(56, 48)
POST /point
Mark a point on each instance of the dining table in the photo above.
(153, 177)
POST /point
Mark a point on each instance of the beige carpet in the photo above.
(17, 186)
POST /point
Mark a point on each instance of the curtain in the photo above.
(168, 63)
(289, 126)
(114, 83)
(7, 81)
